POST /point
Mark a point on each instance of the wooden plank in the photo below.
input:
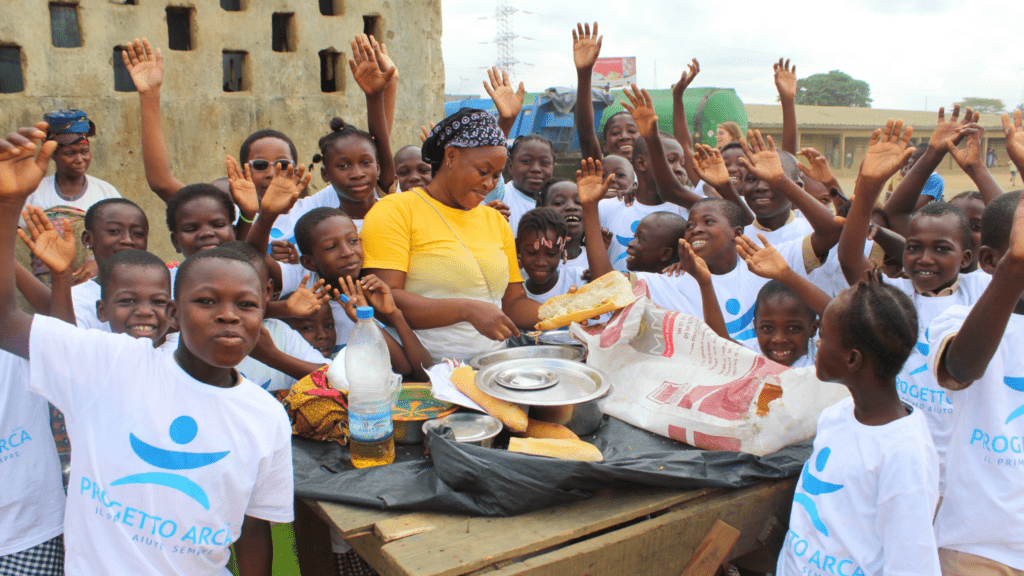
(661, 546)
(404, 526)
(460, 547)
(348, 520)
(712, 550)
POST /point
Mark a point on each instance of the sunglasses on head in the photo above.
(261, 165)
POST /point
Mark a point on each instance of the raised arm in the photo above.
(1014, 132)
(146, 67)
(695, 266)
(21, 170)
(887, 152)
(680, 128)
(763, 161)
(508, 103)
(372, 74)
(904, 199)
(785, 83)
(591, 190)
(58, 254)
(391, 92)
(710, 168)
(408, 355)
(817, 168)
(768, 263)
(586, 47)
(968, 355)
(641, 107)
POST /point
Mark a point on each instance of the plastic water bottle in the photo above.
(368, 369)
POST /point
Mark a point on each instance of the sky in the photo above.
(914, 54)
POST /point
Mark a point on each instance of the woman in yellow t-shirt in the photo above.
(451, 262)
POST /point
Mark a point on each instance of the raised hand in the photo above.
(425, 132)
(641, 107)
(284, 189)
(762, 160)
(819, 168)
(384, 60)
(354, 297)
(368, 66)
(589, 183)
(710, 166)
(684, 81)
(586, 46)
(145, 65)
(785, 79)
(501, 207)
(57, 252)
(1015, 252)
(765, 262)
(21, 169)
(376, 292)
(499, 88)
(284, 251)
(948, 131)
(887, 152)
(693, 264)
(304, 302)
(85, 272)
(969, 157)
(1014, 138)
(243, 191)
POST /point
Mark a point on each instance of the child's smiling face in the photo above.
(622, 172)
(539, 255)
(711, 236)
(649, 250)
(933, 256)
(117, 227)
(411, 170)
(674, 155)
(620, 134)
(350, 165)
(202, 224)
(764, 201)
(784, 326)
(532, 166)
(564, 198)
(732, 164)
(337, 250)
(136, 301)
(318, 330)
(272, 150)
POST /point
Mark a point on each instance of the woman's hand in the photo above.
(499, 88)
(57, 252)
(489, 320)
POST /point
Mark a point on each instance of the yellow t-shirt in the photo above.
(418, 235)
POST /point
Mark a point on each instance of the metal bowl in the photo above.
(469, 427)
(520, 352)
(415, 405)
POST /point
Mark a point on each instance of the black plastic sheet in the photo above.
(464, 479)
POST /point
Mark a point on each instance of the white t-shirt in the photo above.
(166, 468)
(865, 500)
(736, 291)
(982, 512)
(518, 204)
(84, 297)
(798, 227)
(915, 383)
(288, 341)
(567, 277)
(32, 494)
(622, 220)
(46, 197)
(291, 277)
(579, 261)
(284, 225)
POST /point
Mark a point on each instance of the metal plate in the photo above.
(558, 338)
(468, 426)
(526, 378)
(577, 382)
(566, 352)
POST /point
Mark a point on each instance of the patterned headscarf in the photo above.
(467, 128)
(69, 127)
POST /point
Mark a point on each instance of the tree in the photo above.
(833, 89)
(983, 105)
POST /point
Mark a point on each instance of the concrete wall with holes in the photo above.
(280, 90)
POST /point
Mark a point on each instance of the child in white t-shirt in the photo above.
(177, 456)
(866, 497)
(976, 355)
(540, 243)
(562, 197)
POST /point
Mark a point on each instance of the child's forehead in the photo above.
(621, 120)
(270, 148)
(671, 145)
(946, 226)
(972, 206)
(414, 155)
(707, 209)
(533, 147)
(202, 206)
(565, 188)
(137, 277)
(334, 225)
(222, 274)
(351, 144)
(787, 306)
(122, 213)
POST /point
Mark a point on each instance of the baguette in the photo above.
(512, 416)
(605, 294)
(562, 449)
(540, 429)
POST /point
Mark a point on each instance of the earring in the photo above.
(449, 165)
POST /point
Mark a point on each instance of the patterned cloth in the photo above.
(316, 410)
(467, 128)
(46, 559)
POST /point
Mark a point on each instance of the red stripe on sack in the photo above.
(668, 324)
(709, 442)
(695, 395)
(677, 433)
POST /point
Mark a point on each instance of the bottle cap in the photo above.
(364, 312)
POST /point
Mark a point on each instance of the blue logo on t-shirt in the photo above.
(815, 487)
(1017, 384)
(733, 306)
(625, 240)
(182, 431)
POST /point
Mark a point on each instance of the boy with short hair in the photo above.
(169, 474)
(976, 355)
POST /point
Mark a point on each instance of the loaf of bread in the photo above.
(605, 294)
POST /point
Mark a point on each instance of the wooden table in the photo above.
(649, 531)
